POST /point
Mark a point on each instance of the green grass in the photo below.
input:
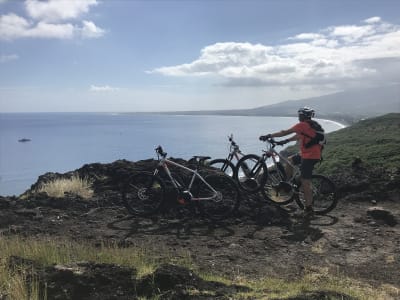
(49, 252)
(375, 141)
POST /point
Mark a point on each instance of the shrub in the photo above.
(74, 185)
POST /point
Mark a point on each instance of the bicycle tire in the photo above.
(227, 201)
(277, 189)
(144, 194)
(223, 165)
(251, 173)
(324, 195)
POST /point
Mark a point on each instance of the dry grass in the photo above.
(74, 185)
(48, 252)
(57, 251)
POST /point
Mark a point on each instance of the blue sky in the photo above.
(118, 56)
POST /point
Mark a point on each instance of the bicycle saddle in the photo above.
(200, 158)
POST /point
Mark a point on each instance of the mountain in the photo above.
(346, 107)
(349, 105)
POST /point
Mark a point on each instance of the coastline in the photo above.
(341, 125)
(341, 120)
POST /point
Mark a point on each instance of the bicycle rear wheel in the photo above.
(223, 204)
(223, 165)
(277, 189)
(324, 195)
(251, 173)
(143, 194)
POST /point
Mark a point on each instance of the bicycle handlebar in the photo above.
(160, 151)
(272, 142)
(276, 143)
(233, 143)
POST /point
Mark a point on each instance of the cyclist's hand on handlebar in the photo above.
(265, 137)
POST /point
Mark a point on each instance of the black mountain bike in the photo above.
(271, 179)
(216, 195)
(226, 165)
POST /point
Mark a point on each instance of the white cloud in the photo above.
(372, 20)
(46, 22)
(90, 30)
(352, 33)
(56, 10)
(339, 55)
(103, 88)
(12, 25)
(7, 58)
(46, 30)
(308, 36)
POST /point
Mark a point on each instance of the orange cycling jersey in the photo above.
(305, 132)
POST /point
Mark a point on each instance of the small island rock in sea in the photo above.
(24, 140)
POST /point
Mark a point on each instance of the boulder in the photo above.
(380, 214)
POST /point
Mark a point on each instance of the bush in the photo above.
(74, 185)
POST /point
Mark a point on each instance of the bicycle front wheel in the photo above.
(324, 195)
(143, 194)
(277, 189)
(252, 173)
(224, 202)
(223, 165)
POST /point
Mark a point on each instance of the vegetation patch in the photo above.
(75, 185)
(376, 142)
(13, 283)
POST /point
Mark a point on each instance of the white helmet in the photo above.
(306, 112)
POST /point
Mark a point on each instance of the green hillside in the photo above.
(375, 141)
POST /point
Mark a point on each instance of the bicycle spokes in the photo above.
(252, 173)
(144, 194)
(323, 193)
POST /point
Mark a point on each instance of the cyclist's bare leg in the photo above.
(307, 190)
(289, 168)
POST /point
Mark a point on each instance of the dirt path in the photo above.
(347, 241)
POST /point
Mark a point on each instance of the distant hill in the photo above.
(346, 107)
(349, 105)
(376, 141)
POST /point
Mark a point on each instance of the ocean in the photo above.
(62, 142)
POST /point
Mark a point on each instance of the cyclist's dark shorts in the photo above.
(306, 167)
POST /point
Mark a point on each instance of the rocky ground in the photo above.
(359, 239)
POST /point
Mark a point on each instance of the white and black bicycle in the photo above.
(215, 194)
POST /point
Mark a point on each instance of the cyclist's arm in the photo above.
(293, 138)
(284, 133)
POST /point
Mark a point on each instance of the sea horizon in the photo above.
(64, 141)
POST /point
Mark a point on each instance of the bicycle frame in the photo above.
(164, 162)
(234, 150)
(273, 154)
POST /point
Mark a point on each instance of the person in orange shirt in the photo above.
(309, 154)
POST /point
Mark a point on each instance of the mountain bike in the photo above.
(226, 165)
(276, 186)
(216, 195)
